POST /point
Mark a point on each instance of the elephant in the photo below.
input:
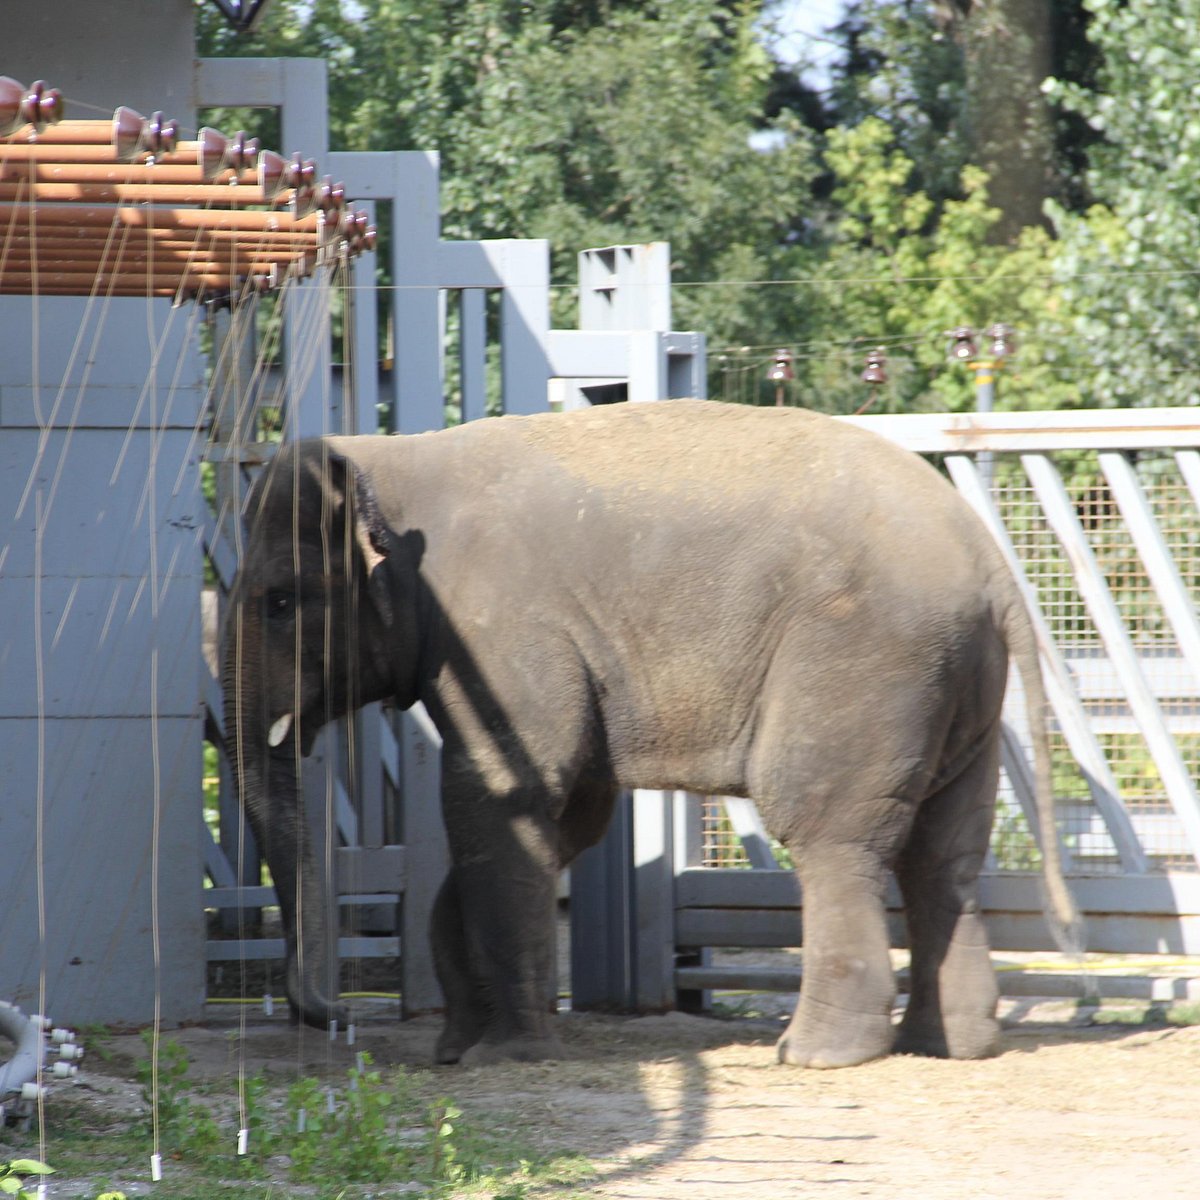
(761, 602)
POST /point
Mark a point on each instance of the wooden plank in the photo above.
(1169, 894)
(425, 838)
(747, 825)
(1089, 578)
(260, 895)
(372, 868)
(1020, 778)
(524, 322)
(1098, 682)
(689, 830)
(602, 917)
(473, 352)
(1173, 594)
(1108, 932)
(258, 949)
(1161, 985)
(1027, 432)
(1188, 462)
(1060, 691)
(653, 899)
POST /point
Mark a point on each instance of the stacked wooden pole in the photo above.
(123, 207)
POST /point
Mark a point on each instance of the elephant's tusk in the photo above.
(280, 730)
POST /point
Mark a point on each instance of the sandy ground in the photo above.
(692, 1107)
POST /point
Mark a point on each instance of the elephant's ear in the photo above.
(371, 531)
(369, 526)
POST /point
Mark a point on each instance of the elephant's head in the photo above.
(313, 632)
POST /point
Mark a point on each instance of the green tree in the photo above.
(584, 123)
(901, 269)
(960, 81)
(1128, 264)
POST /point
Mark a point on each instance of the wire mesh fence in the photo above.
(1175, 687)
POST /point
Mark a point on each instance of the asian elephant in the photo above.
(729, 600)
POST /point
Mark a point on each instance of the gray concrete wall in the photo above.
(100, 578)
(103, 54)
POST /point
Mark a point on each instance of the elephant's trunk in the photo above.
(268, 788)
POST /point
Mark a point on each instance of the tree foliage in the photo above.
(585, 123)
(903, 268)
(1129, 262)
(939, 181)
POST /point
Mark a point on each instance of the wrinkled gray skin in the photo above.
(728, 600)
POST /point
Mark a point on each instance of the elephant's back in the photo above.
(707, 453)
(683, 480)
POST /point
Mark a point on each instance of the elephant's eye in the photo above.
(280, 604)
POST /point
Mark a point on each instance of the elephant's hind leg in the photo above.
(952, 1006)
(844, 1015)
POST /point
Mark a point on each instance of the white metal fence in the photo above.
(1098, 514)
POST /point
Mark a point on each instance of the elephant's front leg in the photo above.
(505, 873)
(844, 1013)
(466, 1011)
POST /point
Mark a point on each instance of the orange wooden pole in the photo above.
(60, 242)
(123, 293)
(159, 218)
(18, 260)
(185, 154)
(23, 282)
(65, 133)
(137, 193)
(117, 174)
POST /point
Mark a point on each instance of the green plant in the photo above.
(192, 1129)
(355, 1134)
(11, 1173)
(445, 1156)
(265, 1137)
(366, 1120)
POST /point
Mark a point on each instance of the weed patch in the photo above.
(373, 1132)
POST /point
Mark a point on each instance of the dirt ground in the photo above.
(691, 1107)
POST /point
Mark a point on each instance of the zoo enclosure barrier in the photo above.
(469, 327)
(1097, 513)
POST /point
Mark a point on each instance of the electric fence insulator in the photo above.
(161, 135)
(1002, 340)
(780, 370)
(12, 96)
(42, 105)
(876, 369)
(962, 344)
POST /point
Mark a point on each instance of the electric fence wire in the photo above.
(47, 425)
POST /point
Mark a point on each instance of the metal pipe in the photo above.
(26, 1034)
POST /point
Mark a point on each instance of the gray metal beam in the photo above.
(1060, 689)
(1092, 587)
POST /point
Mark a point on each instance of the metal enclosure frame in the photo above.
(384, 861)
(645, 932)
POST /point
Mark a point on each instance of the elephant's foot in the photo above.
(857, 1039)
(954, 1035)
(450, 1048)
(517, 1049)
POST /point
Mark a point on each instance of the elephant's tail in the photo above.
(1062, 914)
